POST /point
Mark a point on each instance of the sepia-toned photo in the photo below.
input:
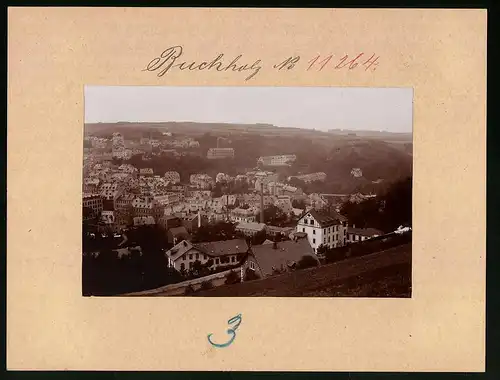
(247, 191)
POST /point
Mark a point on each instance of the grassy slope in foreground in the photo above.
(381, 274)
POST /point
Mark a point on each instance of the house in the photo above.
(93, 202)
(355, 235)
(284, 203)
(144, 220)
(146, 172)
(242, 215)
(278, 160)
(215, 254)
(177, 234)
(218, 153)
(111, 191)
(194, 221)
(172, 177)
(169, 221)
(250, 229)
(271, 259)
(279, 231)
(356, 172)
(321, 229)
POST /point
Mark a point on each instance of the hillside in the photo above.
(381, 274)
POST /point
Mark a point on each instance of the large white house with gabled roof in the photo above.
(329, 230)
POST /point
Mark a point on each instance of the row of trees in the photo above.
(105, 272)
(385, 212)
(363, 248)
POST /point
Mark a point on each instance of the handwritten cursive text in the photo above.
(231, 331)
(170, 59)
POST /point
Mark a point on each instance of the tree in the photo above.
(307, 261)
(321, 250)
(299, 203)
(385, 212)
(196, 268)
(188, 290)
(250, 275)
(232, 278)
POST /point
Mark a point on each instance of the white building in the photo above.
(218, 153)
(146, 171)
(118, 141)
(167, 199)
(201, 181)
(311, 177)
(279, 160)
(330, 231)
(250, 229)
(221, 177)
(355, 235)
(127, 168)
(172, 177)
(243, 215)
(356, 172)
(111, 191)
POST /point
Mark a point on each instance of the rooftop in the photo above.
(326, 220)
(225, 247)
(364, 231)
(282, 255)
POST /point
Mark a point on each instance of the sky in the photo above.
(321, 108)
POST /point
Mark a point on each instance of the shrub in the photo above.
(250, 275)
(307, 261)
(232, 278)
(189, 290)
(207, 284)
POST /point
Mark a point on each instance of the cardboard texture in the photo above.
(54, 52)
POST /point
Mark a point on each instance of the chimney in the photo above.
(262, 201)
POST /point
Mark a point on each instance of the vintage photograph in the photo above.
(247, 191)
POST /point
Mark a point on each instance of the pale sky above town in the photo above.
(321, 108)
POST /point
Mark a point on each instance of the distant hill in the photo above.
(335, 154)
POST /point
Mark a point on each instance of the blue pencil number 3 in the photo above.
(236, 320)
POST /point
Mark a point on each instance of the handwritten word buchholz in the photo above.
(346, 62)
(170, 59)
(232, 331)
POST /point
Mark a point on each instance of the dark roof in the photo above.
(224, 247)
(364, 231)
(325, 220)
(283, 255)
(169, 217)
(300, 235)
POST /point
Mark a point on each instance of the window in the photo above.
(217, 261)
(303, 230)
(314, 232)
(191, 256)
(252, 265)
(329, 239)
(324, 230)
(314, 241)
(312, 222)
(197, 256)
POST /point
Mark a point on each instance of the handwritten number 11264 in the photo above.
(361, 60)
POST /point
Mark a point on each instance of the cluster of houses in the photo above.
(272, 257)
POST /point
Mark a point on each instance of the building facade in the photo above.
(278, 160)
(220, 153)
(321, 229)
